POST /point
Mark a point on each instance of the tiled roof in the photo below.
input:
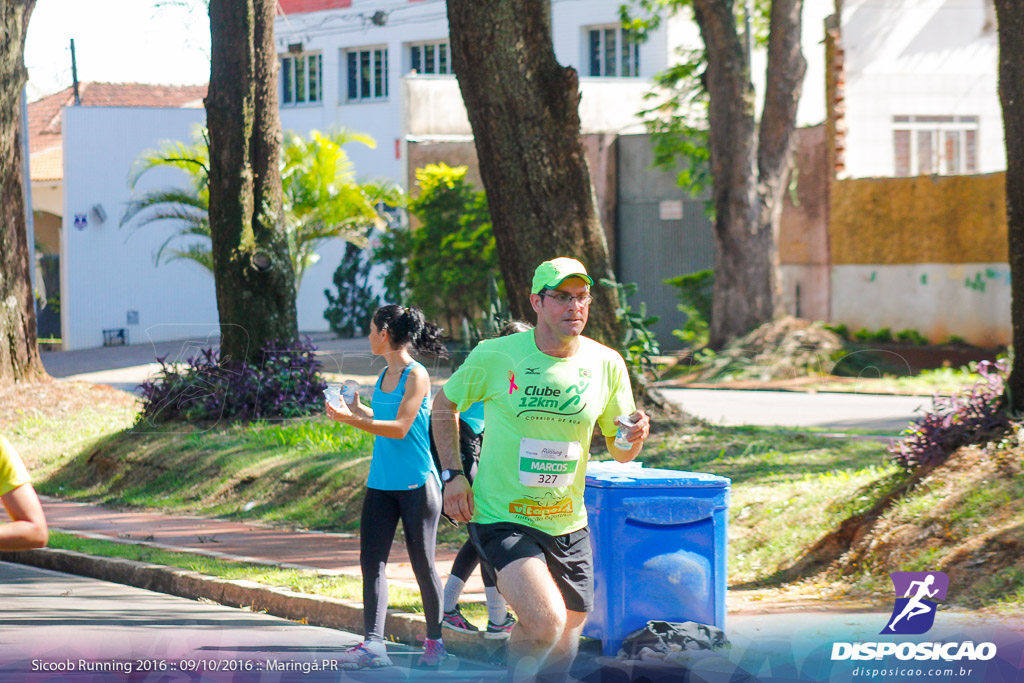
(47, 165)
(304, 6)
(44, 126)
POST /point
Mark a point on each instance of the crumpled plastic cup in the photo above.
(333, 395)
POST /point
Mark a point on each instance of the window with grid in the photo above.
(430, 58)
(942, 145)
(613, 51)
(367, 74)
(301, 79)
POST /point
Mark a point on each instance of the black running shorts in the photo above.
(569, 557)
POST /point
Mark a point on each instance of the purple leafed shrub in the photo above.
(281, 381)
(955, 421)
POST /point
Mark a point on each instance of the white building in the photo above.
(343, 61)
(919, 88)
(110, 289)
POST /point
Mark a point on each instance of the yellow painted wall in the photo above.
(927, 219)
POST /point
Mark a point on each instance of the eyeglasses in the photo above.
(563, 299)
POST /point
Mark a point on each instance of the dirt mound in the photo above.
(965, 517)
(51, 399)
(782, 349)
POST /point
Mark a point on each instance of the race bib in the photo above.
(548, 464)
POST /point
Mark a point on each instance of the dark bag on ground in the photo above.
(666, 637)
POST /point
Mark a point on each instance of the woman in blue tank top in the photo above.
(403, 482)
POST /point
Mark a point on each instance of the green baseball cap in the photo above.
(551, 273)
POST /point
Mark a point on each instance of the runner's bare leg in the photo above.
(528, 587)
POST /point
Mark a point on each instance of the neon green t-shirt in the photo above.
(12, 471)
(539, 413)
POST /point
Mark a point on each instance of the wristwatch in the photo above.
(448, 475)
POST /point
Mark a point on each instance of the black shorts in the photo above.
(569, 557)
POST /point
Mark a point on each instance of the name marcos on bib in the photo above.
(548, 464)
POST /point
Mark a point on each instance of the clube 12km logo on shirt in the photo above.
(914, 614)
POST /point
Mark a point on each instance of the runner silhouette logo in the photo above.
(916, 592)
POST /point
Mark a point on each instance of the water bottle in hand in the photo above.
(348, 391)
(621, 437)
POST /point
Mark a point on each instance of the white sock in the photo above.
(452, 592)
(497, 608)
(377, 647)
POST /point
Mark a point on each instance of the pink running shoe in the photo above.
(502, 630)
(433, 653)
(455, 621)
(365, 655)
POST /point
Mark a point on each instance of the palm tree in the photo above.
(322, 200)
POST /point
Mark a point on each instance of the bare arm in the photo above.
(637, 435)
(28, 529)
(458, 496)
(417, 387)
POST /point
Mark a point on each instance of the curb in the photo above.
(336, 613)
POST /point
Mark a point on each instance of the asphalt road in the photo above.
(800, 409)
(57, 627)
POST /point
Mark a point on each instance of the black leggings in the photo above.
(419, 510)
(467, 560)
(469, 449)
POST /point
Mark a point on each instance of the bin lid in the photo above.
(611, 474)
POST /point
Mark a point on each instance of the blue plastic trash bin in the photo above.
(660, 542)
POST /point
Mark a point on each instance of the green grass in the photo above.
(788, 488)
(305, 472)
(943, 381)
(300, 581)
(49, 443)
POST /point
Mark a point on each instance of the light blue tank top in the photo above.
(400, 464)
(473, 416)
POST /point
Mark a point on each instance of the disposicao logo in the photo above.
(913, 614)
(914, 611)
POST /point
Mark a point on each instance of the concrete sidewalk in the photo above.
(329, 553)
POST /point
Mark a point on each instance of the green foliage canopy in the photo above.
(443, 264)
(322, 200)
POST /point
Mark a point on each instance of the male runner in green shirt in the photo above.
(543, 392)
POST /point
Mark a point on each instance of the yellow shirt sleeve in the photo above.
(12, 470)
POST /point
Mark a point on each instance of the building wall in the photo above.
(332, 32)
(924, 253)
(969, 300)
(803, 229)
(917, 58)
(107, 271)
(661, 232)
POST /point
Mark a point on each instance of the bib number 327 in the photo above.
(548, 464)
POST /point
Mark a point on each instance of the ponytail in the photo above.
(408, 326)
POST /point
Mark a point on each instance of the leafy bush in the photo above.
(956, 421)
(349, 313)
(284, 381)
(638, 345)
(449, 257)
(695, 292)
(866, 336)
(839, 329)
(911, 337)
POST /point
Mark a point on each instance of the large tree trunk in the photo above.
(253, 274)
(524, 109)
(749, 165)
(19, 355)
(1011, 94)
